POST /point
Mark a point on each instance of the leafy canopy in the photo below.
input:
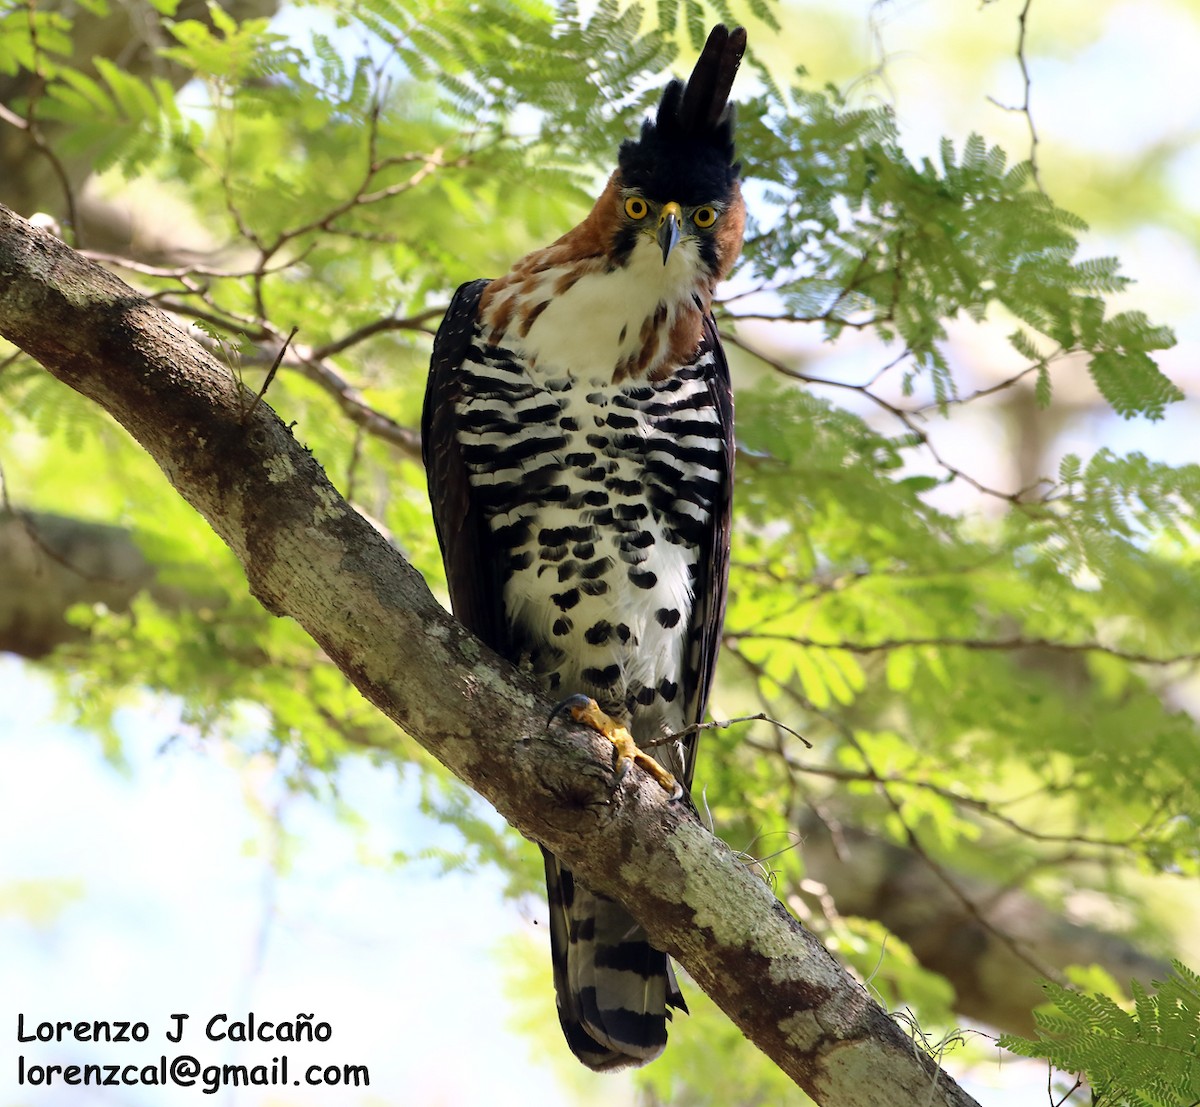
(990, 688)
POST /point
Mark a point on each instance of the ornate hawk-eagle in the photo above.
(578, 438)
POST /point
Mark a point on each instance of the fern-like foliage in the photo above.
(1147, 1057)
(861, 235)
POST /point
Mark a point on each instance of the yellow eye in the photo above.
(636, 208)
(704, 217)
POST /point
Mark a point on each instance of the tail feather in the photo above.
(614, 989)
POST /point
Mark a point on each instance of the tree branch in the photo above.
(308, 555)
(48, 563)
(867, 876)
(993, 645)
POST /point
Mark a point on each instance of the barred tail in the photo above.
(614, 989)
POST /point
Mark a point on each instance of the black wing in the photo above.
(473, 574)
(712, 576)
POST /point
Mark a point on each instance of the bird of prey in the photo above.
(578, 440)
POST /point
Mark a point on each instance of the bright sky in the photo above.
(169, 903)
(167, 888)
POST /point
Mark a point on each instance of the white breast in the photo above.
(597, 323)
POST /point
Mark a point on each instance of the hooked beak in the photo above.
(668, 228)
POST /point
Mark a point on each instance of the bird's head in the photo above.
(665, 231)
(678, 182)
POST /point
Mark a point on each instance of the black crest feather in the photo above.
(686, 153)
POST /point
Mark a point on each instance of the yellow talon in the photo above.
(587, 711)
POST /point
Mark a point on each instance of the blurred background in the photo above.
(161, 855)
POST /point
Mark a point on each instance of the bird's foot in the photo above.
(584, 709)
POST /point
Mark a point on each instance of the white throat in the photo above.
(597, 323)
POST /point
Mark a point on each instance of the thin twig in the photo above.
(979, 393)
(379, 326)
(724, 724)
(180, 272)
(1016, 948)
(1026, 106)
(270, 374)
(915, 844)
(1001, 644)
(960, 799)
(906, 418)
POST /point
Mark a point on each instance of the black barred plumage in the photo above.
(563, 511)
(578, 437)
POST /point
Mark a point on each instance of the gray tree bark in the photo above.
(310, 556)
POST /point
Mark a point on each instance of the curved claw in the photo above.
(569, 704)
(584, 709)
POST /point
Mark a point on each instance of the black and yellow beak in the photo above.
(669, 221)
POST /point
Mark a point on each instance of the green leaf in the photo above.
(1150, 1055)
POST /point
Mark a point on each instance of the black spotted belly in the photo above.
(596, 499)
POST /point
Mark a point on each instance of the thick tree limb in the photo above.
(310, 556)
(48, 563)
